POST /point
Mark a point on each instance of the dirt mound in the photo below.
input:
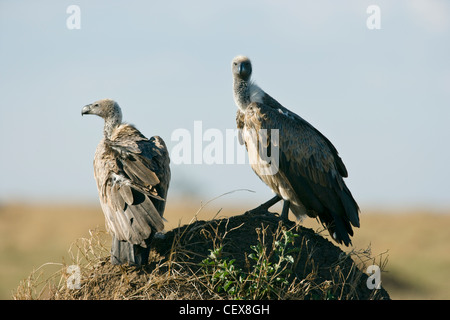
(328, 271)
(242, 257)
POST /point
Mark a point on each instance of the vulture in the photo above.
(306, 171)
(132, 175)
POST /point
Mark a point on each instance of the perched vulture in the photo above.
(132, 175)
(308, 173)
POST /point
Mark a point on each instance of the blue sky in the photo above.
(381, 96)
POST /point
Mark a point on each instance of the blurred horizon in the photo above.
(380, 96)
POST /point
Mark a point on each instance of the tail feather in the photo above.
(340, 229)
(125, 252)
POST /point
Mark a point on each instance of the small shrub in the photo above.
(268, 272)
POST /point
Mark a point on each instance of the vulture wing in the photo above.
(274, 104)
(310, 164)
(136, 178)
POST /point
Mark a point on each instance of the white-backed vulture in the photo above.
(308, 173)
(132, 175)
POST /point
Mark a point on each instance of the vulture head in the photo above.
(242, 68)
(109, 110)
(106, 108)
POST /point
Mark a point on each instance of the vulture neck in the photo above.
(241, 93)
(110, 125)
(246, 92)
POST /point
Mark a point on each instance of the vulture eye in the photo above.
(96, 105)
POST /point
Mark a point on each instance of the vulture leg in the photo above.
(265, 206)
(285, 212)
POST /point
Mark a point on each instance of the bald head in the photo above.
(241, 68)
(245, 90)
(107, 109)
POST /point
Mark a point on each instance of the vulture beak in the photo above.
(86, 109)
(245, 70)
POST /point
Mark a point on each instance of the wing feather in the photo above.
(138, 170)
(126, 193)
(133, 173)
(275, 105)
(240, 125)
(310, 164)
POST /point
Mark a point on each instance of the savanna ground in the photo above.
(415, 244)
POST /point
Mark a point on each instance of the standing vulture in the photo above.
(309, 172)
(132, 175)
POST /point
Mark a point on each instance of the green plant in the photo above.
(268, 270)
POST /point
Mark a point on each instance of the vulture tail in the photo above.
(123, 252)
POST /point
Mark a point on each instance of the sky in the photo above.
(377, 86)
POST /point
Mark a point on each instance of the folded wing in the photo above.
(310, 164)
(134, 176)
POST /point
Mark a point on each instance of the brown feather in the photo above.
(309, 175)
(127, 195)
(138, 171)
(134, 174)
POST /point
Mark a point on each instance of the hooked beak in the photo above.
(86, 109)
(245, 70)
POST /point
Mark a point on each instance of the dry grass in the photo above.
(288, 263)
